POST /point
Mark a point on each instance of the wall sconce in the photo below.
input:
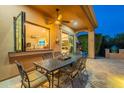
(57, 41)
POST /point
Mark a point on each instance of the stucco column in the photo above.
(91, 44)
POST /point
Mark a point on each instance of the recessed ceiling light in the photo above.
(74, 23)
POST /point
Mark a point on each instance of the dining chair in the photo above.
(83, 66)
(57, 54)
(72, 71)
(82, 70)
(47, 56)
(32, 79)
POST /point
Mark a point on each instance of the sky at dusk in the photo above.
(110, 19)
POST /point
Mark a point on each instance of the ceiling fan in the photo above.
(59, 19)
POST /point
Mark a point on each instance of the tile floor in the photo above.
(102, 73)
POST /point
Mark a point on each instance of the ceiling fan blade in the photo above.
(57, 22)
(59, 17)
(49, 20)
(65, 21)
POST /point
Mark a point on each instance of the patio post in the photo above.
(91, 44)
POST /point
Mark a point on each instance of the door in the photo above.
(67, 43)
(19, 32)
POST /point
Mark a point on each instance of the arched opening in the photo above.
(83, 42)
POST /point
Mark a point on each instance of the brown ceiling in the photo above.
(69, 12)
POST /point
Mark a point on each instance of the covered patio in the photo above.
(46, 32)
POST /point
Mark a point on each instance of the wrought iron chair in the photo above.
(73, 71)
(57, 54)
(82, 70)
(47, 56)
(32, 79)
(44, 57)
(83, 66)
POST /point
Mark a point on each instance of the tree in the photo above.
(119, 40)
(108, 41)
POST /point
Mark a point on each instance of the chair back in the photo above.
(47, 56)
(57, 54)
(83, 65)
(23, 74)
(78, 63)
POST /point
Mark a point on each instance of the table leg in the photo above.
(58, 78)
(52, 79)
(49, 79)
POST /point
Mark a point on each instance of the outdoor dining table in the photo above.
(51, 65)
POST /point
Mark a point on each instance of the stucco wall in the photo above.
(7, 34)
(119, 55)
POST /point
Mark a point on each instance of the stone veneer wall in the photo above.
(119, 55)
